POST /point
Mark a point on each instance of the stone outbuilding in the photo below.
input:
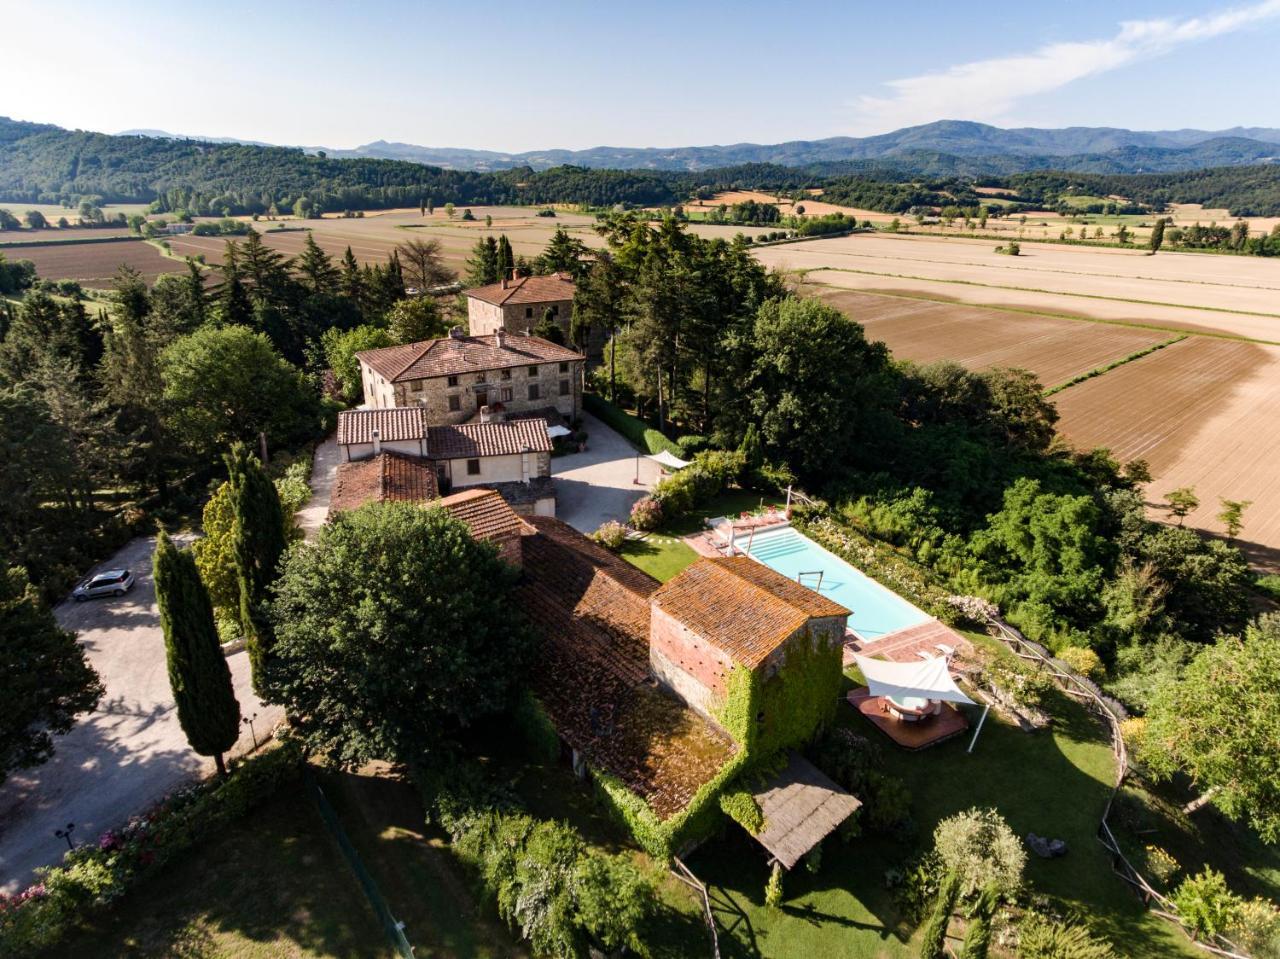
(733, 611)
(518, 303)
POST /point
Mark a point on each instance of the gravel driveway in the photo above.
(599, 484)
(128, 753)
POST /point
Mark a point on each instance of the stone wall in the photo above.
(686, 663)
(484, 318)
(496, 386)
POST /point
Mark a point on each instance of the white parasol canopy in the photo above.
(666, 460)
(555, 432)
(928, 679)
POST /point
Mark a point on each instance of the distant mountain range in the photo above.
(941, 148)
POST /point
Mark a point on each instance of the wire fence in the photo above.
(1112, 713)
(394, 930)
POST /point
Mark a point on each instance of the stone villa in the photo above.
(454, 378)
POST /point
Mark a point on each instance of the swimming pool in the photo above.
(876, 610)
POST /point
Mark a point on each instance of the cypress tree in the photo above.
(1157, 235)
(506, 259)
(351, 284)
(258, 541)
(198, 671)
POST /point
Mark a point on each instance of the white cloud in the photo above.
(987, 89)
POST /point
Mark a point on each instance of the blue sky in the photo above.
(500, 76)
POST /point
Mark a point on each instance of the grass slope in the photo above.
(274, 887)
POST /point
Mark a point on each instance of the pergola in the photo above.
(801, 806)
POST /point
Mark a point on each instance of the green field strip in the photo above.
(1098, 371)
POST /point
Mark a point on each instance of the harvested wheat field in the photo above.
(94, 264)
(1056, 350)
(373, 237)
(1202, 413)
(1235, 295)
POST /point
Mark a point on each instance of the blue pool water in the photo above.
(876, 610)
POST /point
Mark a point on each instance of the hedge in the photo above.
(93, 876)
(639, 433)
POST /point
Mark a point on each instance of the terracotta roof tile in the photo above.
(486, 514)
(553, 288)
(396, 424)
(389, 477)
(593, 678)
(504, 438)
(742, 606)
(451, 355)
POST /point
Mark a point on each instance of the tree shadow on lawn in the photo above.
(425, 886)
(843, 910)
(275, 878)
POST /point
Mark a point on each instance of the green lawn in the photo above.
(414, 869)
(661, 554)
(658, 554)
(1053, 783)
(274, 887)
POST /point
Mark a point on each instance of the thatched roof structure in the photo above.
(801, 806)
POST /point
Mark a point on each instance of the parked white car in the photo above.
(110, 582)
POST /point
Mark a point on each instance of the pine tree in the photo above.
(258, 543)
(563, 254)
(482, 267)
(233, 298)
(198, 674)
(350, 283)
(316, 268)
(506, 259)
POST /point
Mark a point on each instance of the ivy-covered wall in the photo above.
(766, 716)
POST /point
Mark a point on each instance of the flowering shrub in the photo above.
(646, 514)
(94, 875)
(974, 609)
(1160, 864)
(610, 535)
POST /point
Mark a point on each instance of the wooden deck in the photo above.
(918, 735)
(906, 645)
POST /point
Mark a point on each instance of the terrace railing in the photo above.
(1111, 712)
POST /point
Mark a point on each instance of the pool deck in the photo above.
(917, 735)
(911, 644)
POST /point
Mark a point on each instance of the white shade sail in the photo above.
(555, 432)
(928, 678)
(667, 460)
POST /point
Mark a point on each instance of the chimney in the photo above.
(500, 337)
(515, 274)
(504, 282)
(377, 442)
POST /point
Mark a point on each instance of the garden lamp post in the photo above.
(248, 721)
(66, 834)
